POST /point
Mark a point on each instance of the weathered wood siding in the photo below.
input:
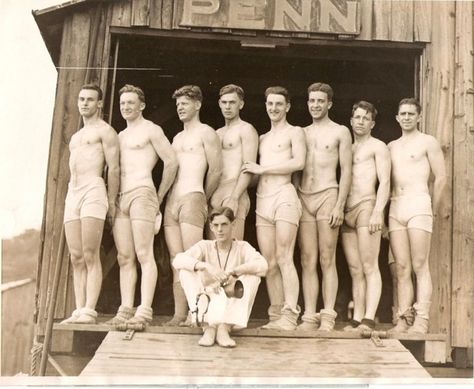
(463, 181)
(387, 20)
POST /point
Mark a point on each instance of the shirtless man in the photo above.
(199, 151)
(142, 144)
(364, 216)
(282, 152)
(239, 141)
(328, 145)
(88, 200)
(414, 156)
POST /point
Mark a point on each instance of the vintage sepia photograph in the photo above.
(237, 192)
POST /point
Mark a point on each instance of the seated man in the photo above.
(209, 264)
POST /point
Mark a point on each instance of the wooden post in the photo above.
(437, 94)
(463, 184)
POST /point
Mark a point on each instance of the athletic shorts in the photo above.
(89, 200)
(223, 192)
(190, 209)
(283, 205)
(358, 215)
(138, 204)
(410, 211)
(318, 206)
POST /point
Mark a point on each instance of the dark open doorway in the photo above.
(159, 65)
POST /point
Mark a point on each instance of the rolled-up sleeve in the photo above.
(189, 258)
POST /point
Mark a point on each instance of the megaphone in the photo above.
(233, 287)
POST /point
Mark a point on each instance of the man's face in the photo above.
(131, 106)
(230, 105)
(88, 102)
(362, 122)
(187, 108)
(318, 104)
(408, 117)
(221, 226)
(277, 107)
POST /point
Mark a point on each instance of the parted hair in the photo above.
(369, 107)
(278, 90)
(410, 101)
(232, 88)
(191, 91)
(224, 211)
(94, 87)
(321, 87)
(127, 88)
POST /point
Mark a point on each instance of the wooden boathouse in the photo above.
(376, 50)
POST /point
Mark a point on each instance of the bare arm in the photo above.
(289, 166)
(164, 150)
(383, 167)
(436, 158)
(345, 160)
(213, 151)
(249, 142)
(110, 145)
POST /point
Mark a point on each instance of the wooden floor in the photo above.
(179, 355)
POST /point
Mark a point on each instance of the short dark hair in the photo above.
(94, 87)
(224, 211)
(369, 107)
(321, 87)
(278, 90)
(410, 101)
(232, 88)
(127, 88)
(191, 91)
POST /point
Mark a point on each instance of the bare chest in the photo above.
(321, 142)
(275, 143)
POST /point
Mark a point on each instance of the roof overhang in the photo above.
(50, 22)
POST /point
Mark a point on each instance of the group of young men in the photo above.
(299, 197)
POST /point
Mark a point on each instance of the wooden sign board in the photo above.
(310, 16)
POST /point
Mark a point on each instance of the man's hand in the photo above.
(251, 167)
(215, 272)
(336, 218)
(375, 222)
(232, 203)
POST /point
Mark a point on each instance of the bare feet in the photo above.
(223, 338)
(208, 338)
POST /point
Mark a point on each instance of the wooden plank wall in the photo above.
(75, 47)
(463, 180)
(438, 99)
(381, 20)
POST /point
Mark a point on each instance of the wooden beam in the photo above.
(402, 21)
(422, 21)
(155, 13)
(437, 94)
(382, 16)
(463, 181)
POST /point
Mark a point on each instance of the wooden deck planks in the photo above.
(180, 355)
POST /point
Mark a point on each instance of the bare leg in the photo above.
(400, 246)
(143, 235)
(92, 229)
(123, 237)
(285, 244)
(72, 231)
(266, 243)
(327, 252)
(239, 229)
(350, 244)
(308, 242)
(369, 248)
(420, 242)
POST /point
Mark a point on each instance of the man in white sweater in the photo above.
(211, 264)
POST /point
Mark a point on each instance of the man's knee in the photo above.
(420, 265)
(91, 256)
(403, 271)
(356, 271)
(77, 260)
(327, 259)
(144, 254)
(369, 264)
(125, 260)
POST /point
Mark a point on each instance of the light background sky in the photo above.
(28, 85)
